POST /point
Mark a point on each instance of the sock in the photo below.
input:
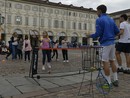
(108, 79)
(115, 76)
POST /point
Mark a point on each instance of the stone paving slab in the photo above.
(71, 90)
(8, 90)
(29, 88)
(59, 81)
(16, 81)
(30, 94)
(74, 79)
(46, 85)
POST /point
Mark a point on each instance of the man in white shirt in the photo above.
(124, 44)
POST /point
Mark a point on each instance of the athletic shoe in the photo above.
(49, 66)
(127, 71)
(120, 70)
(57, 59)
(115, 83)
(43, 67)
(67, 60)
(64, 61)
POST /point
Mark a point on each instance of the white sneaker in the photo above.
(67, 60)
(57, 59)
(49, 66)
(43, 67)
(64, 61)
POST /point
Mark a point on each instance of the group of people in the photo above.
(106, 32)
(46, 50)
(17, 45)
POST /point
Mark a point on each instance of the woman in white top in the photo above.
(64, 50)
(27, 48)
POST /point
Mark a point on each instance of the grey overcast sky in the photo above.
(112, 5)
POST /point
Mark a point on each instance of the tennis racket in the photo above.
(101, 83)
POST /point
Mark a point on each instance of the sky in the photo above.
(112, 5)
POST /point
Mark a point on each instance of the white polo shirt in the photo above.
(125, 37)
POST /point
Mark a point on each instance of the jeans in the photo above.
(55, 52)
(46, 53)
(65, 54)
(27, 54)
(14, 51)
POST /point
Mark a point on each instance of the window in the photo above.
(9, 19)
(74, 25)
(18, 6)
(49, 22)
(34, 21)
(26, 21)
(43, 9)
(90, 26)
(56, 11)
(8, 5)
(62, 24)
(56, 24)
(86, 15)
(27, 7)
(35, 8)
(42, 22)
(74, 14)
(18, 20)
(85, 26)
(80, 26)
(69, 13)
(68, 25)
(1, 4)
(50, 11)
(80, 14)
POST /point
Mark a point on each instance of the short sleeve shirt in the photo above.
(125, 37)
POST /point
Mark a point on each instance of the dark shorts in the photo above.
(123, 47)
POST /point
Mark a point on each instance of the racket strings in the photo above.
(102, 85)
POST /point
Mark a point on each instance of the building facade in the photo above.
(32, 17)
(116, 16)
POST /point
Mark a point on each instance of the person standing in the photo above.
(64, 50)
(9, 49)
(45, 45)
(27, 48)
(55, 50)
(123, 44)
(14, 40)
(106, 31)
(20, 47)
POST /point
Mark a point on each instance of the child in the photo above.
(45, 50)
(27, 48)
(55, 50)
(64, 50)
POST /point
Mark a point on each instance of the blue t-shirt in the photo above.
(106, 30)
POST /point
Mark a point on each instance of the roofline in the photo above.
(47, 2)
(120, 12)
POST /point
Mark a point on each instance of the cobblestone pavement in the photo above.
(72, 91)
(9, 67)
(21, 67)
